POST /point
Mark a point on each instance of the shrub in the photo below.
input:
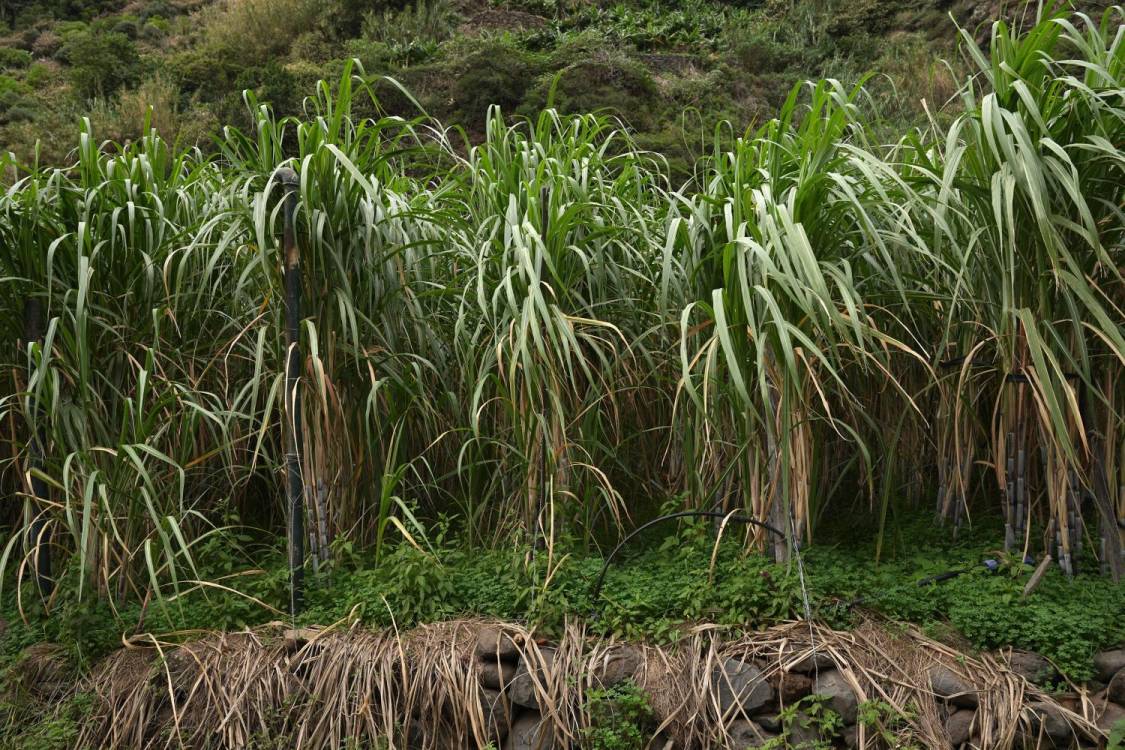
(129, 25)
(157, 99)
(620, 718)
(14, 58)
(16, 103)
(272, 84)
(603, 81)
(495, 71)
(760, 53)
(155, 30)
(158, 9)
(204, 72)
(253, 32)
(100, 62)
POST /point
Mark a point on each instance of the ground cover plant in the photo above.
(520, 345)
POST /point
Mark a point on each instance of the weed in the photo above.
(620, 718)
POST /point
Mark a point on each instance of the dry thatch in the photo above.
(323, 688)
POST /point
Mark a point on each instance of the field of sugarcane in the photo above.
(350, 333)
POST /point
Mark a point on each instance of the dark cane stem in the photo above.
(294, 485)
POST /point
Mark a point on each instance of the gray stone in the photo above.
(493, 644)
(1109, 714)
(769, 722)
(1115, 690)
(619, 664)
(814, 662)
(959, 726)
(803, 732)
(744, 733)
(522, 687)
(1046, 721)
(1109, 663)
(497, 712)
(496, 675)
(842, 699)
(742, 688)
(949, 685)
(530, 732)
(1031, 666)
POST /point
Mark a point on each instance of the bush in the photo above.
(603, 81)
(496, 71)
(100, 62)
(159, 9)
(14, 58)
(254, 32)
(155, 31)
(129, 25)
(16, 100)
(272, 84)
(621, 718)
(204, 71)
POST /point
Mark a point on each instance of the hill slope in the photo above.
(671, 70)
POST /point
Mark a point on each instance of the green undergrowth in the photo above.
(650, 592)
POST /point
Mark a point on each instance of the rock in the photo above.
(1031, 666)
(496, 675)
(949, 685)
(842, 699)
(530, 732)
(959, 726)
(1109, 663)
(744, 733)
(1047, 721)
(492, 645)
(497, 712)
(619, 664)
(1115, 690)
(1069, 701)
(814, 662)
(522, 687)
(742, 688)
(1108, 714)
(769, 722)
(803, 732)
(791, 686)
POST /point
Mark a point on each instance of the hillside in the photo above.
(670, 70)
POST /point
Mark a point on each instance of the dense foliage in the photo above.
(543, 339)
(654, 590)
(671, 69)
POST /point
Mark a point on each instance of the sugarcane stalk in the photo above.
(1009, 532)
(39, 538)
(295, 486)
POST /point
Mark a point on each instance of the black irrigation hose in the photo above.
(596, 591)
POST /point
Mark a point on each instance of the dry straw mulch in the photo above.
(419, 689)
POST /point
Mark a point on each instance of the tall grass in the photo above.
(540, 336)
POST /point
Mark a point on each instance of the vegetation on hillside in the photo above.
(671, 70)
